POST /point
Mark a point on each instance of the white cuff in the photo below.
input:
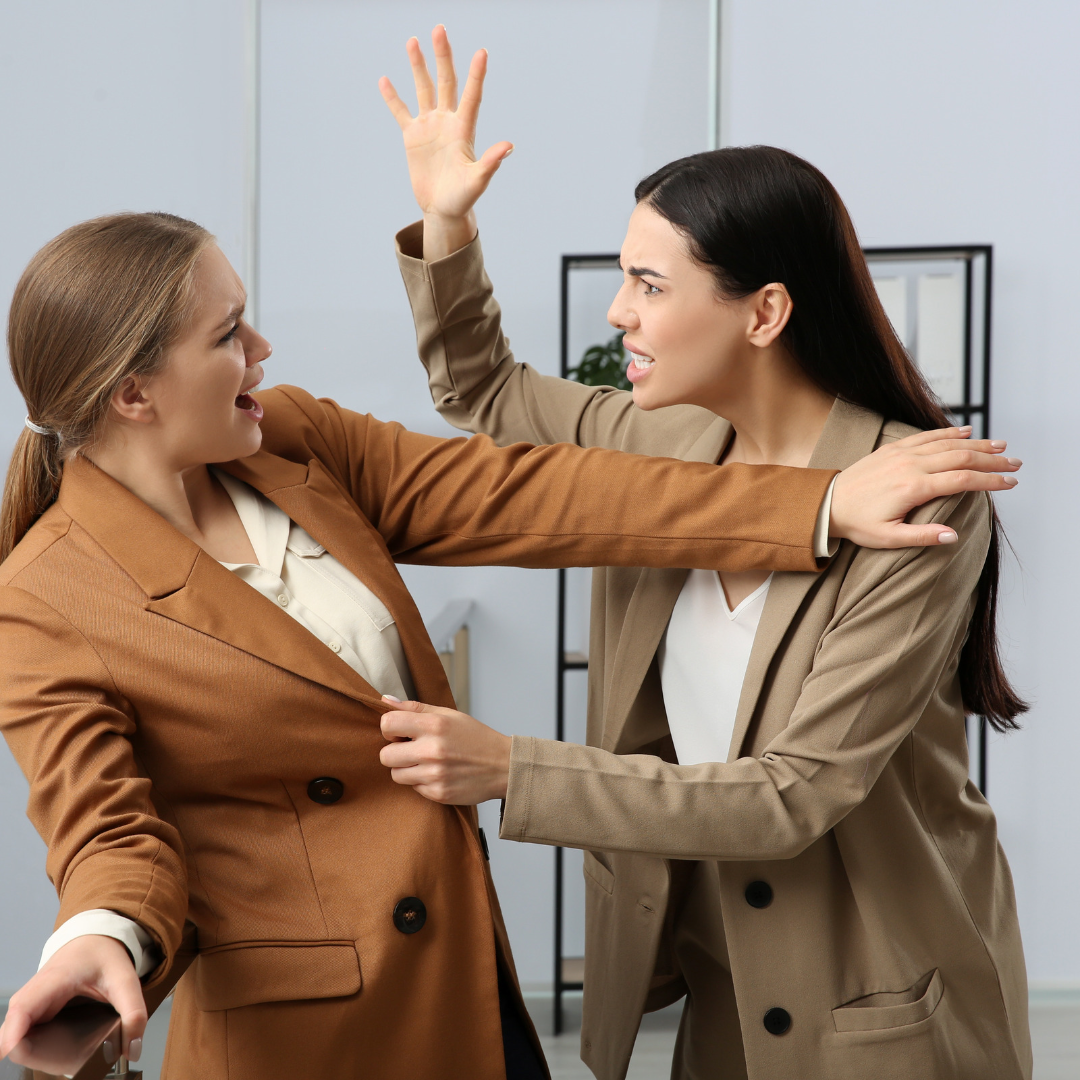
(145, 954)
(823, 547)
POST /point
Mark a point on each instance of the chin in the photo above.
(254, 444)
(244, 446)
(647, 399)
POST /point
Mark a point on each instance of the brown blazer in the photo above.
(840, 865)
(170, 719)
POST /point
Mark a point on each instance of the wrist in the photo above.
(445, 235)
(502, 768)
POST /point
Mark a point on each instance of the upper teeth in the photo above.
(640, 361)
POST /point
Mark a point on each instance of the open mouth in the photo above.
(250, 406)
(639, 366)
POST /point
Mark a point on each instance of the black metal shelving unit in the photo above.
(975, 406)
(568, 970)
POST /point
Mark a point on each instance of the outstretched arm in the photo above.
(900, 623)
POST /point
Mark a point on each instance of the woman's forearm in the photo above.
(443, 236)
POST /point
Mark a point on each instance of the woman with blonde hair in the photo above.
(774, 804)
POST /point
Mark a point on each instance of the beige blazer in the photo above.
(840, 865)
(195, 753)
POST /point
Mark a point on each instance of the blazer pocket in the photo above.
(253, 972)
(595, 868)
(876, 1012)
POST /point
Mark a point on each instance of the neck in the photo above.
(778, 414)
(182, 496)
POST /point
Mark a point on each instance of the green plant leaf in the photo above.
(603, 365)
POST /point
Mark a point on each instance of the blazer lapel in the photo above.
(648, 614)
(318, 504)
(185, 584)
(850, 433)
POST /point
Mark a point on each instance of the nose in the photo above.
(621, 314)
(256, 347)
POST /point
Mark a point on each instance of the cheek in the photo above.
(692, 348)
(202, 388)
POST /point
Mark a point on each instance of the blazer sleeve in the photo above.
(478, 386)
(896, 631)
(70, 731)
(468, 502)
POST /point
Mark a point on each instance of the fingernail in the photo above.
(390, 697)
(1012, 481)
(508, 153)
(108, 1052)
(998, 445)
(947, 538)
(1014, 461)
(966, 427)
(134, 1049)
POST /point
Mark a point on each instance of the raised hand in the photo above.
(447, 178)
(874, 496)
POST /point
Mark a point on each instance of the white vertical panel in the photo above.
(939, 335)
(892, 291)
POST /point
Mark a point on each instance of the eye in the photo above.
(230, 335)
(650, 289)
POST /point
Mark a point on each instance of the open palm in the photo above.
(447, 178)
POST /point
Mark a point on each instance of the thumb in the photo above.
(405, 706)
(493, 157)
(396, 727)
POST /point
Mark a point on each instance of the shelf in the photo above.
(575, 661)
(573, 972)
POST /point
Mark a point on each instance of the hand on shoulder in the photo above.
(872, 498)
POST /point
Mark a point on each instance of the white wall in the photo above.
(114, 105)
(594, 94)
(954, 121)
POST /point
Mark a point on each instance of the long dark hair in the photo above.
(754, 215)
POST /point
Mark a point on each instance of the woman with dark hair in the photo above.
(774, 803)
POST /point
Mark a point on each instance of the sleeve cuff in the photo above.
(145, 954)
(824, 547)
(409, 243)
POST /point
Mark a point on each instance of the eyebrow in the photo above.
(643, 271)
(235, 312)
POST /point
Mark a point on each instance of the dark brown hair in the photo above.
(97, 304)
(755, 215)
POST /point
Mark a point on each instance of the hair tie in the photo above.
(38, 428)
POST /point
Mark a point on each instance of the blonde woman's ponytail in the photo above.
(31, 486)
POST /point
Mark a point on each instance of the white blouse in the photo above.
(703, 656)
(705, 651)
(295, 572)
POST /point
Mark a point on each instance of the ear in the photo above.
(772, 307)
(131, 402)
